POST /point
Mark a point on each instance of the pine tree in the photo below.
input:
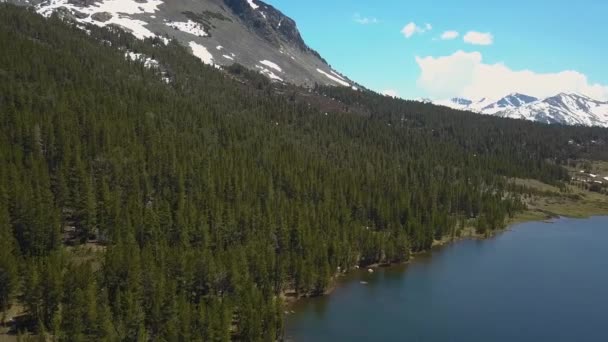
(211, 195)
(8, 258)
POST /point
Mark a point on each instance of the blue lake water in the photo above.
(535, 282)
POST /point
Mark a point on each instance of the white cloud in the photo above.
(464, 74)
(479, 38)
(365, 20)
(449, 35)
(390, 93)
(410, 29)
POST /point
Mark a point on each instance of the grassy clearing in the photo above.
(571, 201)
(6, 323)
(597, 167)
(87, 253)
(549, 201)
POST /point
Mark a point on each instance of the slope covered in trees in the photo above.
(209, 196)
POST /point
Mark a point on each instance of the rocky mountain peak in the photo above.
(270, 24)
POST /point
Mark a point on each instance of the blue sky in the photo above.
(364, 39)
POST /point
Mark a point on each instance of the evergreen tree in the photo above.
(132, 209)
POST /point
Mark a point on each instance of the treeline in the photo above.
(205, 199)
(530, 143)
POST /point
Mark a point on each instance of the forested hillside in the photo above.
(179, 203)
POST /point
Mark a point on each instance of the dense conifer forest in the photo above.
(135, 208)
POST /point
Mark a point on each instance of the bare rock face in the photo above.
(79, 14)
(270, 23)
(101, 16)
(65, 14)
(83, 3)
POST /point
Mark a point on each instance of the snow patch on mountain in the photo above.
(148, 62)
(108, 12)
(338, 75)
(201, 52)
(253, 5)
(268, 73)
(334, 78)
(190, 27)
(46, 8)
(140, 57)
(271, 65)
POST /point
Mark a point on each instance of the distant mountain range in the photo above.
(563, 108)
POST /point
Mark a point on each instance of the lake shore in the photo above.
(521, 271)
(549, 202)
(581, 209)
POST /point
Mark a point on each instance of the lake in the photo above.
(536, 282)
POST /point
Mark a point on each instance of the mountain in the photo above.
(466, 104)
(260, 37)
(509, 102)
(567, 109)
(219, 32)
(155, 198)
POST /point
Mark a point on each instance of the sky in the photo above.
(439, 49)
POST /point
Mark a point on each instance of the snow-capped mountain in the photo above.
(487, 105)
(466, 104)
(219, 32)
(509, 102)
(568, 109)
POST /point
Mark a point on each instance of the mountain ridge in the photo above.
(563, 108)
(262, 38)
(220, 32)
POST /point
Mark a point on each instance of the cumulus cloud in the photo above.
(390, 93)
(410, 29)
(478, 38)
(449, 35)
(365, 20)
(465, 74)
